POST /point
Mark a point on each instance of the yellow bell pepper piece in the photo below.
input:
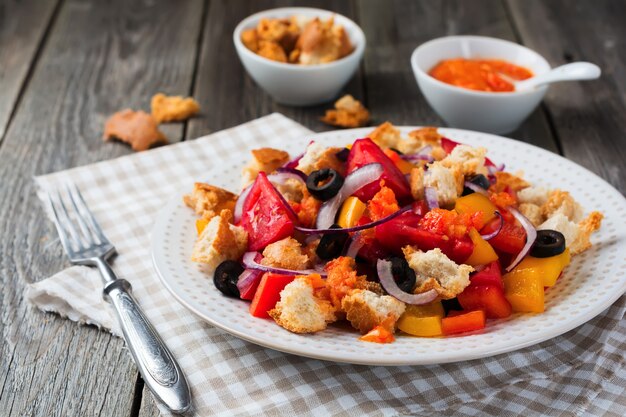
(523, 288)
(351, 211)
(483, 253)
(200, 225)
(549, 268)
(423, 321)
(474, 202)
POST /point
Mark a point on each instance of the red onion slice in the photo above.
(238, 210)
(250, 261)
(358, 179)
(493, 168)
(283, 176)
(295, 172)
(355, 245)
(247, 279)
(430, 193)
(531, 235)
(355, 228)
(476, 188)
(495, 232)
(385, 275)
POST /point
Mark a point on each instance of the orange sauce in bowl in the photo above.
(479, 74)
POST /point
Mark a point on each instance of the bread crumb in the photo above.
(173, 108)
(348, 112)
(137, 128)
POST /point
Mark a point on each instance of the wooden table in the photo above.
(65, 65)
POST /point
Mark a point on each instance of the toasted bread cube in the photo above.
(447, 181)
(299, 311)
(366, 309)
(532, 212)
(470, 160)
(286, 253)
(577, 236)
(263, 159)
(208, 201)
(220, 241)
(562, 202)
(533, 195)
(434, 270)
(386, 136)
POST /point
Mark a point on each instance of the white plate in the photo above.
(593, 281)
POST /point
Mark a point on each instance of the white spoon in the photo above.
(568, 72)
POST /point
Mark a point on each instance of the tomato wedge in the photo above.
(511, 238)
(365, 151)
(265, 216)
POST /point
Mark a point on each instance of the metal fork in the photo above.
(87, 245)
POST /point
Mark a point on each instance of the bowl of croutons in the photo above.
(300, 56)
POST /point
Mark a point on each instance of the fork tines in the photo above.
(88, 234)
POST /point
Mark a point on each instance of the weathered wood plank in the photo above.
(22, 27)
(226, 93)
(588, 117)
(100, 56)
(395, 29)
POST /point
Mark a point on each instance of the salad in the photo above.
(418, 234)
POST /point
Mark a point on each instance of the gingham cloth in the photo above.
(579, 373)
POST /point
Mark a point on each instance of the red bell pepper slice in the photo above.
(365, 151)
(511, 238)
(265, 216)
(404, 230)
(488, 298)
(468, 322)
(268, 294)
(490, 275)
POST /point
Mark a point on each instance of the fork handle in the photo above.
(157, 366)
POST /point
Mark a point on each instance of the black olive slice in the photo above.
(342, 155)
(548, 243)
(478, 179)
(226, 276)
(331, 244)
(324, 184)
(403, 274)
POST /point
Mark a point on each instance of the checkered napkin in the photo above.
(579, 373)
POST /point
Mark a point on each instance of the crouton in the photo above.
(416, 181)
(220, 241)
(532, 212)
(533, 195)
(272, 50)
(322, 41)
(173, 108)
(286, 253)
(470, 160)
(291, 189)
(283, 32)
(348, 112)
(506, 181)
(419, 138)
(562, 202)
(576, 235)
(208, 201)
(434, 270)
(300, 311)
(386, 136)
(250, 39)
(318, 156)
(264, 159)
(447, 181)
(137, 128)
(366, 310)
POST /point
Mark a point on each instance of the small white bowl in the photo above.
(300, 85)
(477, 110)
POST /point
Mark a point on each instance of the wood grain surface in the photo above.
(65, 66)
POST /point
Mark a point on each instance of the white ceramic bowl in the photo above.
(477, 110)
(300, 85)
